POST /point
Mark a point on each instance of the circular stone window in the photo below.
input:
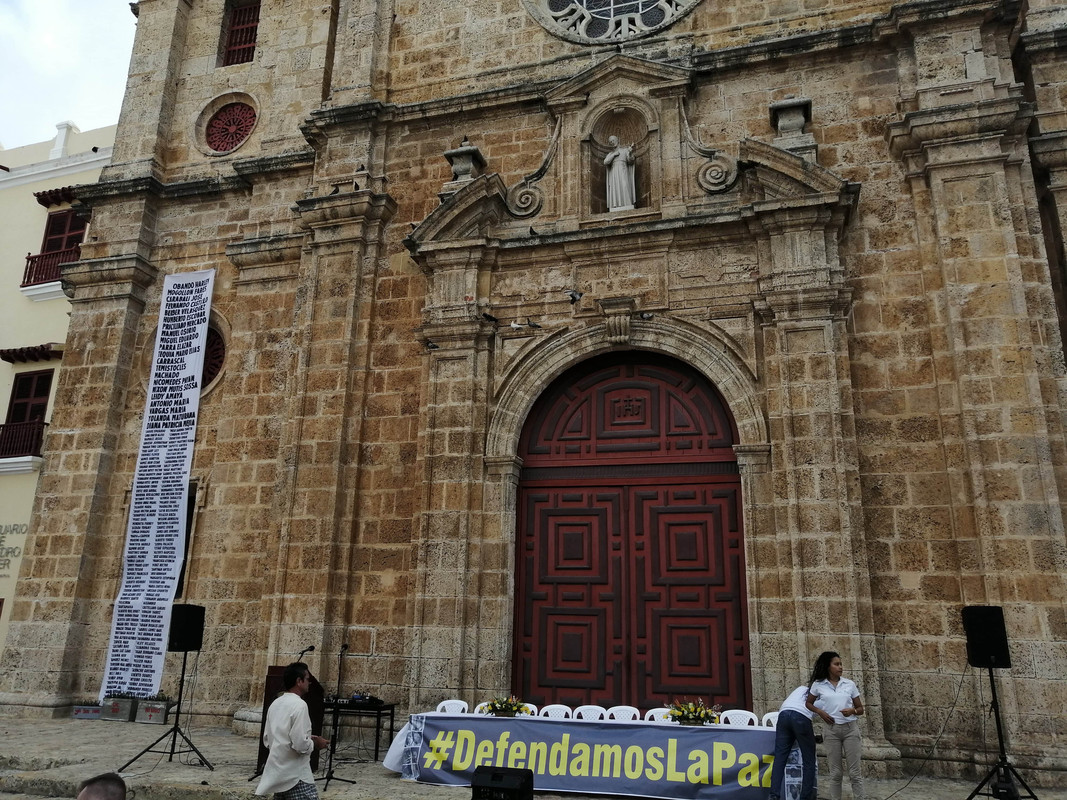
(606, 21)
(228, 127)
(214, 357)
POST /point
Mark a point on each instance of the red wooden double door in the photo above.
(630, 580)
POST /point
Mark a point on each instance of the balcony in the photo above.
(44, 268)
(22, 439)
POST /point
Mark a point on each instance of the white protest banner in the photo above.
(155, 534)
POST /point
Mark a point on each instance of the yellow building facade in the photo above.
(36, 231)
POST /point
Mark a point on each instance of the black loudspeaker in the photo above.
(501, 783)
(186, 628)
(987, 640)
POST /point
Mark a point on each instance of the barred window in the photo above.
(242, 24)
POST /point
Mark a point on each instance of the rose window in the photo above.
(601, 21)
(229, 127)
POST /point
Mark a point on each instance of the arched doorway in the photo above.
(630, 578)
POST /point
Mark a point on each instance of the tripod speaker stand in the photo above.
(186, 633)
(334, 726)
(987, 646)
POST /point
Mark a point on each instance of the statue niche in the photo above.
(618, 159)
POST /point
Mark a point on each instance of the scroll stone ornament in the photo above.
(717, 174)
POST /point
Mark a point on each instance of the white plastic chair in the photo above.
(452, 707)
(532, 709)
(623, 713)
(481, 708)
(658, 715)
(738, 716)
(555, 711)
(590, 712)
(770, 719)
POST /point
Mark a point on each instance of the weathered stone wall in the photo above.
(844, 232)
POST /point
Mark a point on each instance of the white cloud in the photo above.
(61, 60)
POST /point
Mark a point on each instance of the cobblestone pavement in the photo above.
(47, 758)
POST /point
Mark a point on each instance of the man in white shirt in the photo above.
(288, 737)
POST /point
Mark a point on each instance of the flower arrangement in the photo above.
(693, 713)
(506, 706)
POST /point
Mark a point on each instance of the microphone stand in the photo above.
(335, 709)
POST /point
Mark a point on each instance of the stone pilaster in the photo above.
(999, 384)
(821, 556)
(321, 455)
(153, 84)
(73, 553)
(463, 605)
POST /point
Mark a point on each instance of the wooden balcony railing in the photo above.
(44, 267)
(21, 438)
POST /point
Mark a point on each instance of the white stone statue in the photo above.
(621, 192)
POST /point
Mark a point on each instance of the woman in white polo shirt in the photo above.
(836, 700)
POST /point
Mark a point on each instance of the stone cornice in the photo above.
(1050, 150)
(1052, 41)
(676, 72)
(301, 159)
(957, 123)
(878, 31)
(265, 250)
(91, 194)
(332, 212)
(116, 277)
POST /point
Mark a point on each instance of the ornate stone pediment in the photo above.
(617, 72)
(468, 214)
(478, 214)
(776, 174)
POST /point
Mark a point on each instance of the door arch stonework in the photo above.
(517, 388)
(630, 577)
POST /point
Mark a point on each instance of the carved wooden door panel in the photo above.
(687, 581)
(629, 560)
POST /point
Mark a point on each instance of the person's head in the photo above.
(827, 665)
(108, 786)
(613, 141)
(294, 674)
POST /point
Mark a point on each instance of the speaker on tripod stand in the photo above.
(186, 633)
(987, 647)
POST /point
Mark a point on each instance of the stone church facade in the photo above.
(497, 436)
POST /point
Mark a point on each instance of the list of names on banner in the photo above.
(155, 535)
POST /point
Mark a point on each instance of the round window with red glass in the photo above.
(229, 127)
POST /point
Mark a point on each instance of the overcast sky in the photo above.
(61, 60)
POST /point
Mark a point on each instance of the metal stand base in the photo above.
(1003, 788)
(174, 732)
(329, 776)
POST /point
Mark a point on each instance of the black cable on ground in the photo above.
(941, 733)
